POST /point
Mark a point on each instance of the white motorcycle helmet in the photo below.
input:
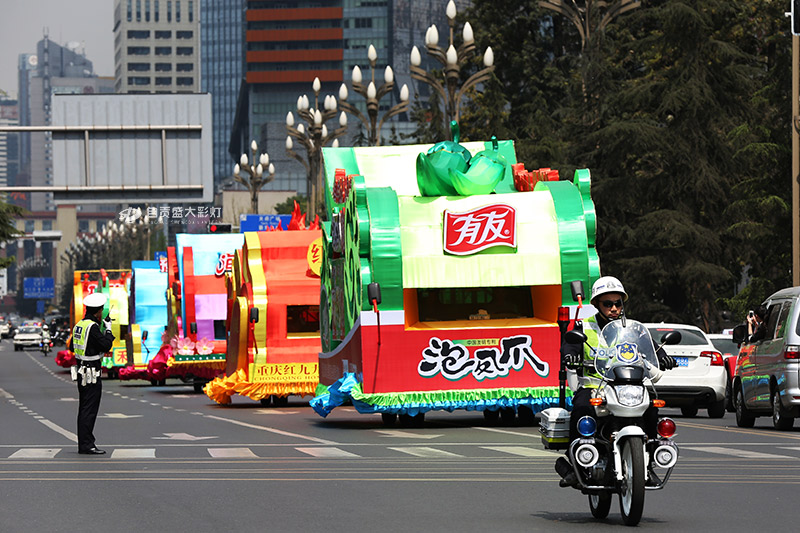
(607, 284)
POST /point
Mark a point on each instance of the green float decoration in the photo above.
(434, 167)
(486, 169)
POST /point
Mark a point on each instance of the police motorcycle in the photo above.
(614, 454)
(46, 342)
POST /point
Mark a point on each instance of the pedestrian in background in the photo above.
(756, 327)
(91, 340)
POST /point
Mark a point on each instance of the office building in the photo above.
(157, 46)
(9, 142)
(222, 57)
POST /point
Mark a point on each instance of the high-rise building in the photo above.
(9, 142)
(289, 43)
(222, 57)
(157, 46)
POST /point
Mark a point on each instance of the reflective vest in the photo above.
(80, 336)
(590, 378)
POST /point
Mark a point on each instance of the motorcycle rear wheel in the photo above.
(600, 504)
(631, 495)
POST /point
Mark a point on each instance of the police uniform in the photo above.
(89, 343)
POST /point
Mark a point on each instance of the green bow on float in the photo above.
(486, 170)
(433, 168)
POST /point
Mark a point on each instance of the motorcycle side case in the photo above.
(554, 428)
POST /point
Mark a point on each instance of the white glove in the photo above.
(107, 323)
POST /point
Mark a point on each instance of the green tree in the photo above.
(8, 230)
(287, 206)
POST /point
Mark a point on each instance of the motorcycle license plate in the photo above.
(682, 361)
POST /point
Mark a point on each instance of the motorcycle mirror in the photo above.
(673, 337)
(144, 335)
(374, 293)
(193, 327)
(577, 290)
(253, 315)
(575, 337)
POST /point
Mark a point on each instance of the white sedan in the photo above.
(28, 337)
(699, 379)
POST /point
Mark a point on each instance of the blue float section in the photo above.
(149, 287)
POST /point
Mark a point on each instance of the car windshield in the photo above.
(689, 337)
(29, 329)
(726, 346)
(629, 345)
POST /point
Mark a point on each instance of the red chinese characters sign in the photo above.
(224, 264)
(470, 232)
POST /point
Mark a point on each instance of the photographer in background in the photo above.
(756, 325)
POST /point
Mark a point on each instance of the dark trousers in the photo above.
(581, 407)
(89, 404)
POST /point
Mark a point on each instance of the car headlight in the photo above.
(630, 395)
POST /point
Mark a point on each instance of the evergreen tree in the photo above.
(8, 230)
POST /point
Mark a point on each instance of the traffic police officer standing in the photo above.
(90, 341)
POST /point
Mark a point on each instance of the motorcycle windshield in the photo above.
(625, 345)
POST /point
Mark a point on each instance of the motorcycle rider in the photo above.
(608, 297)
(45, 339)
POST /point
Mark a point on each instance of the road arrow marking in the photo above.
(67, 399)
(4, 394)
(182, 436)
(274, 412)
(405, 434)
(118, 415)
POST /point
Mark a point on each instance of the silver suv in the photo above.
(766, 376)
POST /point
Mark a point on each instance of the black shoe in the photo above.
(92, 451)
(567, 473)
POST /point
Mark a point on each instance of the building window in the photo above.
(138, 10)
(191, 11)
(138, 67)
(184, 50)
(138, 34)
(162, 34)
(138, 50)
(147, 10)
(184, 67)
(169, 10)
(363, 23)
(83, 226)
(130, 10)
(47, 225)
(163, 81)
(184, 34)
(155, 13)
(177, 10)
(163, 67)
(30, 225)
(138, 80)
(184, 81)
(163, 50)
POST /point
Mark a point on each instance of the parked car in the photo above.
(27, 337)
(766, 380)
(5, 329)
(723, 342)
(699, 380)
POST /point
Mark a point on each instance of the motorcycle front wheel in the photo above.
(600, 504)
(631, 494)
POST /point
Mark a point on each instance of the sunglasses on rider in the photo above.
(612, 303)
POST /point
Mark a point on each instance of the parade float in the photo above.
(147, 316)
(195, 340)
(114, 284)
(446, 270)
(273, 316)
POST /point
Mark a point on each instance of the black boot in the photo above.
(567, 473)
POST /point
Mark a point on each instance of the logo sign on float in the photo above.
(485, 227)
(224, 264)
(161, 257)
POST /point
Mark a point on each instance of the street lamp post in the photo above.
(582, 17)
(373, 95)
(312, 137)
(256, 178)
(453, 59)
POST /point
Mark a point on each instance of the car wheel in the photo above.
(779, 420)
(689, 412)
(717, 409)
(744, 419)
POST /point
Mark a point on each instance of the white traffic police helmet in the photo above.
(608, 284)
(98, 299)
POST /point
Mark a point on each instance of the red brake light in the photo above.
(716, 357)
(792, 351)
(666, 427)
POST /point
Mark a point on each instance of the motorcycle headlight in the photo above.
(629, 395)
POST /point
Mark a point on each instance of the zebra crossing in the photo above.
(371, 452)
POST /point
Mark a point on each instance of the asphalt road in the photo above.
(178, 462)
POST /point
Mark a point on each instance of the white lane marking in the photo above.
(271, 430)
(67, 400)
(142, 453)
(35, 453)
(4, 394)
(326, 452)
(404, 434)
(231, 453)
(274, 412)
(422, 451)
(182, 436)
(118, 415)
(58, 429)
(789, 447)
(507, 432)
(523, 451)
(746, 454)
